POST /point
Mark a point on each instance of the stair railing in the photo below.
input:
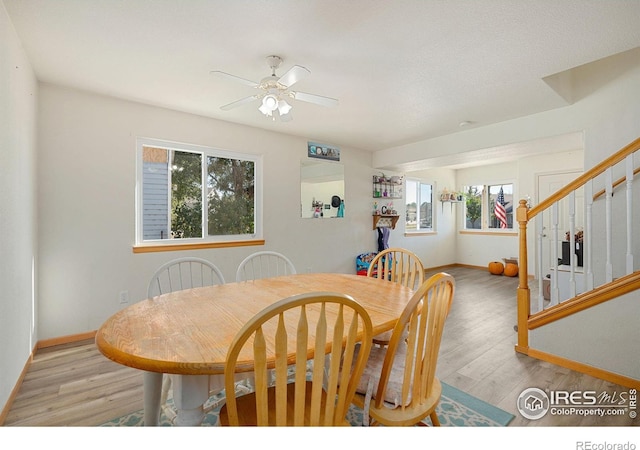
(602, 174)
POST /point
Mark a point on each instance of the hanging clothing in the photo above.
(383, 238)
(386, 232)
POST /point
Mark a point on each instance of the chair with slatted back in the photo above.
(397, 265)
(279, 337)
(183, 273)
(264, 264)
(399, 386)
(176, 275)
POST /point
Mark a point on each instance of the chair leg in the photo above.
(169, 413)
(166, 385)
(434, 419)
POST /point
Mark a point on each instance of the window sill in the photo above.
(490, 233)
(150, 248)
(419, 233)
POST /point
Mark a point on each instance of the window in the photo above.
(419, 218)
(196, 194)
(489, 207)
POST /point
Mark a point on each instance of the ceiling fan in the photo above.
(273, 91)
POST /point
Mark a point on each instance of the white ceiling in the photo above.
(403, 71)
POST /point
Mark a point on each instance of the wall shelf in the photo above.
(385, 221)
(451, 202)
(386, 189)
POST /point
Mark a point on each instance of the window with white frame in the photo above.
(419, 206)
(196, 194)
(489, 207)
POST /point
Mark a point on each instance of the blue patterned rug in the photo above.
(456, 409)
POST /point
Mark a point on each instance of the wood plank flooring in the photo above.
(74, 385)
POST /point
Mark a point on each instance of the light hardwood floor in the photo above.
(74, 385)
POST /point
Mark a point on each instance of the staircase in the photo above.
(585, 316)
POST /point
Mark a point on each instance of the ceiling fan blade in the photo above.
(317, 99)
(228, 76)
(293, 75)
(240, 102)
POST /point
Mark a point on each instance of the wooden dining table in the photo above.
(188, 332)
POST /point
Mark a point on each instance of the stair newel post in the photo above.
(524, 294)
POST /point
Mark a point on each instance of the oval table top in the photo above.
(188, 332)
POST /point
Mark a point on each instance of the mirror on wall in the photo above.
(321, 189)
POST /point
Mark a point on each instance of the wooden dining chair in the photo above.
(176, 275)
(264, 264)
(399, 386)
(183, 273)
(400, 266)
(321, 326)
(397, 265)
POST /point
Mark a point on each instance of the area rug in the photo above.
(456, 409)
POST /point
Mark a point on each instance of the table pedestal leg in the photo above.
(190, 392)
(152, 388)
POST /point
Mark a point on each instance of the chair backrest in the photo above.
(264, 264)
(282, 335)
(184, 273)
(416, 337)
(399, 266)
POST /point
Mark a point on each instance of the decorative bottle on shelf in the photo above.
(341, 209)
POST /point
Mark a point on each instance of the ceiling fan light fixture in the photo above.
(270, 101)
(265, 110)
(283, 107)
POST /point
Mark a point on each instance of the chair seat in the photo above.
(372, 371)
(398, 416)
(247, 406)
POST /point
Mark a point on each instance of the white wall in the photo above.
(87, 174)
(599, 336)
(18, 96)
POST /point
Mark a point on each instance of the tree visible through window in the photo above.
(485, 205)
(473, 207)
(174, 205)
(231, 196)
(186, 194)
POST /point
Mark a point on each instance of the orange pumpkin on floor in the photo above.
(511, 270)
(496, 268)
